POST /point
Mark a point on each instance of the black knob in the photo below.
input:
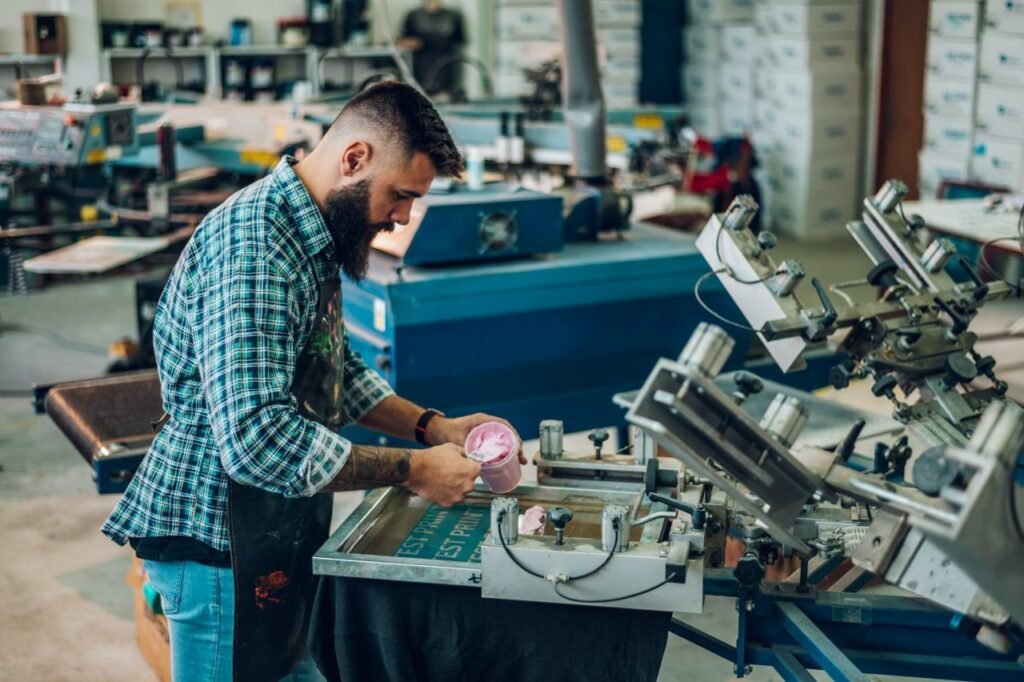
(598, 437)
(959, 370)
(747, 383)
(916, 222)
(559, 517)
(839, 376)
(767, 241)
(985, 365)
(933, 471)
(884, 386)
(883, 274)
(909, 335)
(749, 570)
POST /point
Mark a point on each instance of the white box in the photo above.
(814, 54)
(794, 173)
(700, 83)
(1002, 58)
(998, 161)
(952, 58)
(813, 217)
(736, 83)
(1000, 111)
(738, 44)
(701, 44)
(955, 18)
(820, 91)
(949, 136)
(820, 133)
(719, 11)
(616, 13)
(933, 168)
(949, 96)
(620, 92)
(807, 19)
(619, 42)
(621, 71)
(527, 23)
(704, 119)
(1005, 16)
(735, 120)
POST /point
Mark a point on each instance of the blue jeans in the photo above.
(199, 602)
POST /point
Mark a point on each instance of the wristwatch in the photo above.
(421, 425)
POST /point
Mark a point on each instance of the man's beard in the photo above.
(347, 214)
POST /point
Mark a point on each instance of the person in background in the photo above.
(434, 33)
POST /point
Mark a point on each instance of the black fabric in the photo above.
(273, 537)
(382, 631)
(179, 549)
(272, 540)
(441, 32)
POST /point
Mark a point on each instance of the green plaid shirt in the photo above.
(236, 312)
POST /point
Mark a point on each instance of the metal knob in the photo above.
(598, 438)
(559, 518)
(959, 370)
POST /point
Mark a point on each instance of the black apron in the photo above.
(273, 537)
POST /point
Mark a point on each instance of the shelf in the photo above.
(263, 51)
(157, 52)
(28, 59)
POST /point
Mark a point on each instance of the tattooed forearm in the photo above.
(372, 467)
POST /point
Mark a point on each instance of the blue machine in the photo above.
(529, 339)
(498, 222)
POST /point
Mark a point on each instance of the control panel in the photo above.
(73, 135)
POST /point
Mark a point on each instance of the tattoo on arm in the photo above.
(372, 467)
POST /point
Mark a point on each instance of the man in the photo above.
(434, 34)
(257, 377)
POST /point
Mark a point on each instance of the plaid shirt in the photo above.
(236, 312)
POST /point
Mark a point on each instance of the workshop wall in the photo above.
(82, 66)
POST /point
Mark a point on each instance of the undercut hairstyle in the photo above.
(400, 113)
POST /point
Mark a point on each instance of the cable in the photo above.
(501, 538)
(988, 266)
(652, 588)
(709, 311)
(1013, 508)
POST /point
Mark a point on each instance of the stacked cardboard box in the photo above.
(527, 35)
(807, 114)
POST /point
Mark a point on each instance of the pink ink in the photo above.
(496, 447)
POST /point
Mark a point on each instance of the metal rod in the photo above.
(824, 652)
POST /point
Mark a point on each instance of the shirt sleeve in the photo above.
(364, 387)
(246, 317)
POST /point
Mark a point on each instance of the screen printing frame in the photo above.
(334, 558)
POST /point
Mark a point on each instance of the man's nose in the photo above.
(401, 215)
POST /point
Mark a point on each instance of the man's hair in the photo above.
(399, 112)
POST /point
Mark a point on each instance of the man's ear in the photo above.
(355, 157)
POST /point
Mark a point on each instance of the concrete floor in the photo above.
(65, 612)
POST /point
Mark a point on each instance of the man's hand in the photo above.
(444, 430)
(442, 475)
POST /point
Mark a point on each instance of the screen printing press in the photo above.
(853, 543)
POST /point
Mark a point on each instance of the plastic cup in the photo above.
(496, 447)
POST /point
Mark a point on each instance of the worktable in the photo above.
(969, 219)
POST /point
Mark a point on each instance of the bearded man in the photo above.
(257, 378)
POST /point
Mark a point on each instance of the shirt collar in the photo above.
(302, 210)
